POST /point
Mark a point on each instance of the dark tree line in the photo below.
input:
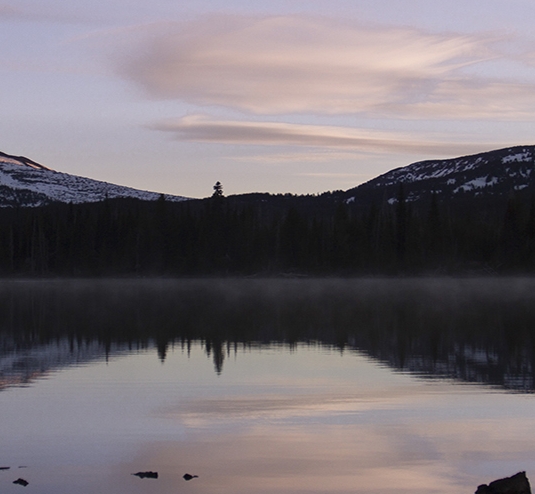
(267, 235)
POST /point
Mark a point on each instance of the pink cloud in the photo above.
(201, 128)
(292, 64)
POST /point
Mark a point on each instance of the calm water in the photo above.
(372, 386)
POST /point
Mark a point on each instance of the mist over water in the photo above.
(474, 330)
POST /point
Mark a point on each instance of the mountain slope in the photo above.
(490, 175)
(25, 183)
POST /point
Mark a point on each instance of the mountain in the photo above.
(24, 182)
(492, 175)
(489, 177)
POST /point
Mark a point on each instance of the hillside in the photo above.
(25, 183)
(489, 176)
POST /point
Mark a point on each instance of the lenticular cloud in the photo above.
(202, 128)
(289, 64)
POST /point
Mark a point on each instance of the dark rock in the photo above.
(22, 482)
(187, 476)
(517, 484)
(146, 475)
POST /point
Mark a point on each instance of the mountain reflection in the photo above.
(471, 330)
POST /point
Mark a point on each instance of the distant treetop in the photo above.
(218, 190)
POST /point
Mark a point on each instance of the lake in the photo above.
(264, 386)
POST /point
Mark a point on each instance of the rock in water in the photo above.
(146, 475)
(517, 484)
(21, 482)
(187, 476)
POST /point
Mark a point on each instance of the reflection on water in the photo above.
(266, 386)
(469, 330)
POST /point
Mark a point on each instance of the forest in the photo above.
(266, 235)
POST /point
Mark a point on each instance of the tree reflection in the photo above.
(469, 330)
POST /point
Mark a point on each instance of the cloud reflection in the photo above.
(333, 459)
(284, 408)
(422, 441)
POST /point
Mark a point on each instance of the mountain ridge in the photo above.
(23, 160)
(26, 183)
(490, 174)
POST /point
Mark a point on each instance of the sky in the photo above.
(281, 96)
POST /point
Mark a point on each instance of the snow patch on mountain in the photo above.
(491, 173)
(26, 183)
(519, 157)
(477, 183)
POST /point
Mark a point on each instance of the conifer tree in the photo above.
(401, 225)
(218, 190)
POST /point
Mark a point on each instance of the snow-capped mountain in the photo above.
(494, 174)
(24, 182)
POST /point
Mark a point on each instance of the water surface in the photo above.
(258, 386)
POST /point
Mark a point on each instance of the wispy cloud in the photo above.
(301, 155)
(475, 98)
(201, 128)
(289, 64)
(324, 175)
(10, 12)
(42, 12)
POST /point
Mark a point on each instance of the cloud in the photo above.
(293, 64)
(9, 12)
(313, 155)
(475, 98)
(330, 175)
(201, 128)
(44, 13)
